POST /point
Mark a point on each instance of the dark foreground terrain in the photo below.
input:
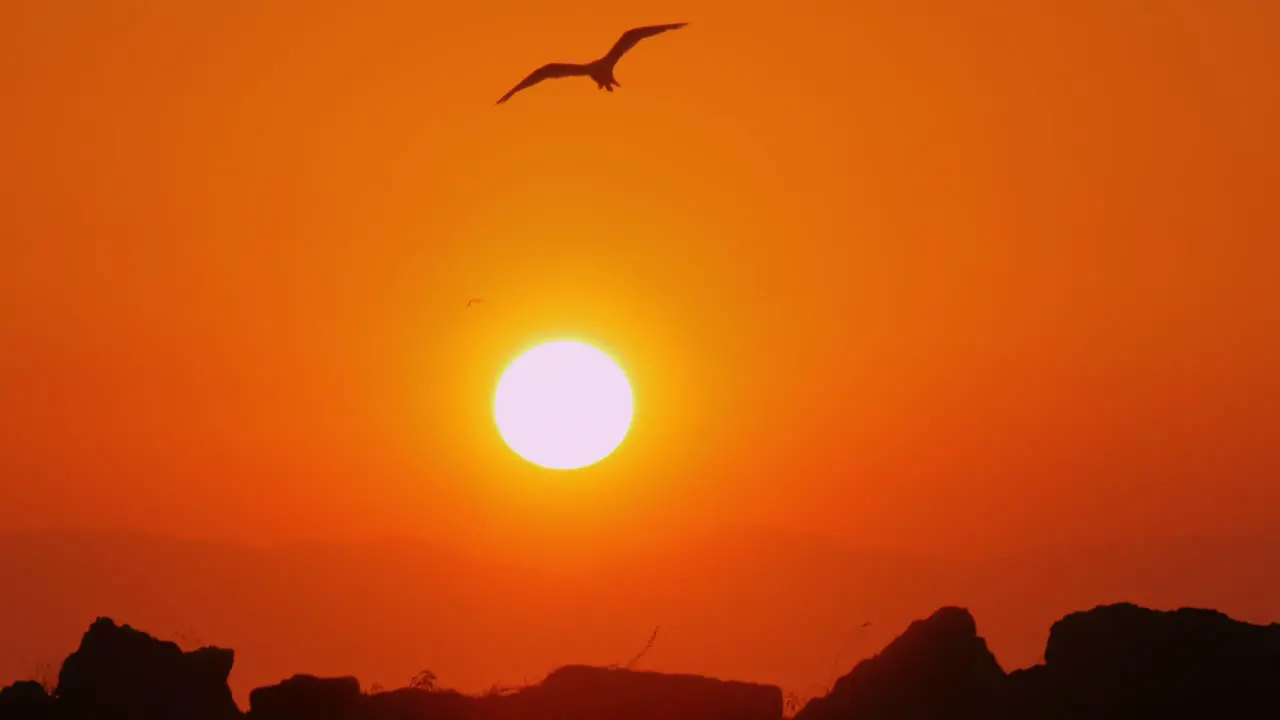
(1116, 661)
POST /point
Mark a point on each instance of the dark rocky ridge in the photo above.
(939, 665)
(1116, 661)
(1120, 662)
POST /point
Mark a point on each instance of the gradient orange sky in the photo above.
(936, 277)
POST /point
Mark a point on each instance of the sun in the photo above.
(563, 405)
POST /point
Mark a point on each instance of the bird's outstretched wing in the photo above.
(548, 71)
(635, 35)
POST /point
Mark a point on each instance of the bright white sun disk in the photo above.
(563, 405)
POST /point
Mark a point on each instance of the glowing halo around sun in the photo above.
(563, 405)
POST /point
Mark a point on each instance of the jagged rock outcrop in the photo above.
(120, 672)
(938, 668)
(1114, 662)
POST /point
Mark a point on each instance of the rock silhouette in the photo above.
(578, 692)
(1124, 661)
(1112, 662)
(417, 704)
(571, 693)
(26, 699)
(306, 697)
(440, 600)
(120, 672)
(939, 667)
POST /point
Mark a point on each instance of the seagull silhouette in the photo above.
(473, 301)
(600, 70)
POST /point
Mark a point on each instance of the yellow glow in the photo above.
(563, 405)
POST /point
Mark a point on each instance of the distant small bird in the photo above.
(599, 70)
(473, 301)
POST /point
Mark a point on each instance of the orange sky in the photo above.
(946, 278)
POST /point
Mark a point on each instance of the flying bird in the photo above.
(600, 70)
(473, 301)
